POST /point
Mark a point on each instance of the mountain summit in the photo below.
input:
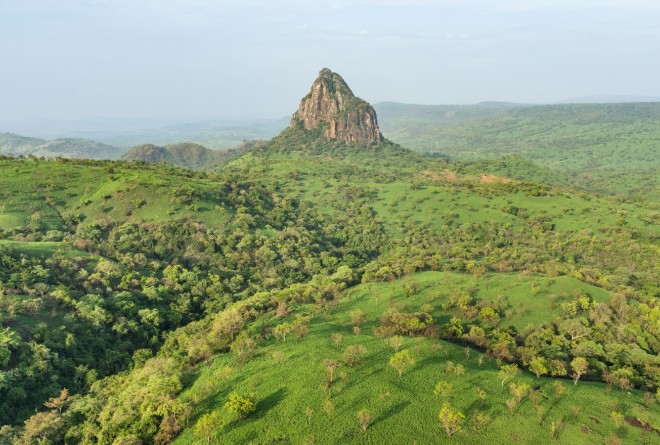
(332, 108)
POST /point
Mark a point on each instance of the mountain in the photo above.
(188, 155)
(11, 143)
(16, 145)
(332, 108)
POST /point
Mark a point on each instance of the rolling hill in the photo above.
(187, 155)
(325, 287)
(604, 148)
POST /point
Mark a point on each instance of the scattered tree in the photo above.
(357, 317)
(330, 366)
(452, 421)
(353, 355)
(444, 389)
(241, 405)
(337, 338)
(282, 330)
(401, 360)
(395, 342)
(482, 396)
(328, 407)
(207, 425)
(364, 416)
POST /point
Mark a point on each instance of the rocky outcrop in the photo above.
(332, 108)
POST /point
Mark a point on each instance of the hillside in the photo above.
(187, 155)
(322, 288)
(604, 148)
(15, 145)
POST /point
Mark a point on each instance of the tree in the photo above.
(401, 360)
(207, 425)
(357, 317)
(482, 395)
(452, 421)
(580, 366)
(617, 419)
(241, 405)
(537, 366)
(507, 372)
(443, 389)
(59, 402)
(43, 427)
(243, 347)
(395, 342)
(330, 366)
(364, 416)
(8, 340)
(228, 322)
(283, 329)
(337, 338)
(353, 355)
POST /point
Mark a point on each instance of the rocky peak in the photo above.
(332, 108)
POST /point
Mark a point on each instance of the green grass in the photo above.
(454, 200)
(42, 248)
(404, 410)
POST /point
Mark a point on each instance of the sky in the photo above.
(238, 59)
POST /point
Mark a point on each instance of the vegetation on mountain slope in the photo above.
(316, 291)
(604, 148)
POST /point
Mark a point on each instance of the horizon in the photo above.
(173, 62)
(100, 128)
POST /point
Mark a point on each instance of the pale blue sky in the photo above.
(194, 59)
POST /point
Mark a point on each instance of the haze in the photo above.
(207, 59)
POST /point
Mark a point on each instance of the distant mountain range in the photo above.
(610, 99)
(16, 145)
(122, 133)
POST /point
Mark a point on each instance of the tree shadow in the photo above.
(392, 411)
(266, 404)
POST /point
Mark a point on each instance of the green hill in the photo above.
(271, 300)
(605, 148)
(187, 155)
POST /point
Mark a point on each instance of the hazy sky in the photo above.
(192, 59)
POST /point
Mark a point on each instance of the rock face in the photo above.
(332, 108)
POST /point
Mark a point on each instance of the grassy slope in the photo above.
(404, 410)
(98, 194)
(456, 199)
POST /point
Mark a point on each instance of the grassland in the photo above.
(441, 197)
(300, 406)
(48, 195)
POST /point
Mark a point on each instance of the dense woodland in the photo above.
(138, 302)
